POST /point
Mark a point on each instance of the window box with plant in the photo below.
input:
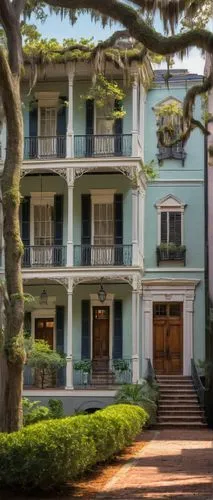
(171, 252)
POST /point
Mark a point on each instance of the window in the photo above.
(47, 142)
(169, 127)
(171, 227)
(42, 229)
(43, 225)
(102, 226)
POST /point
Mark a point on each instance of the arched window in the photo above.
(169, 128)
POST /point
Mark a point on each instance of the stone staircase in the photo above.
(178, 403)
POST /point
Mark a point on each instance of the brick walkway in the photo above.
(176, 464)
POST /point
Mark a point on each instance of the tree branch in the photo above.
(138, 28)
(11, 25)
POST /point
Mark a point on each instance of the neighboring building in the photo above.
(92, 224)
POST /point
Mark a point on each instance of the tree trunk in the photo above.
(12, 351)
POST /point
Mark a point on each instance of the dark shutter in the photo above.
(60, 341)
(118, 330)
(118, 128)
(85, 229)
(89, 127)
(58, 230)
(27, 323)
(85, 329)
(118, 218)
(32, 149)
(61, 131)
(163, 227)
(25, 229)
(175, 228)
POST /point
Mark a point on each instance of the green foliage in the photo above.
(169, 109)
(33, 412)
(49, 454)
(84, 365)
(150, 169)
(44, 360)
(171, 247)
(105, 93)
(120, 365)
(143, 395)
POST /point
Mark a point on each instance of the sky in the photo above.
(84, 27)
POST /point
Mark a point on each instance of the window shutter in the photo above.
(27, 323)
(118, 222)
(85, 329)
(58, 229)
(163, 227)
(61, 131)
(175, 228)
(118, 330)
(25, 228)
(33, 133)
(89, 127)
(86, 229)
(118, 128)
(60, 341)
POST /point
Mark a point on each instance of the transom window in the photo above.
(167, 309)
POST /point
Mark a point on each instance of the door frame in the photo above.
(168, 291)
(44, 313)
(95, 302)
(102, 307)
(167, 317)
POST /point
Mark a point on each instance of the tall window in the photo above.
(48, 122)
(43, 225)
(103, 224)
(171, 227)
(169, 129)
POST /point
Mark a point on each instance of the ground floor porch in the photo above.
(108, 339)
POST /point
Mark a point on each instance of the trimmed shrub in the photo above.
(33, 412)
(143, 395)
(51, 453)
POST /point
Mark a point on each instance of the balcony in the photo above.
(102, 145)
(85, 146)
(167, 254)
(176, 152)
(44, 147)
(97, 255)
(44, 256)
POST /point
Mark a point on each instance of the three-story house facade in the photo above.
(114, 261)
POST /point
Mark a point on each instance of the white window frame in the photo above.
(38, 199)
(169, 204)
(101, 196)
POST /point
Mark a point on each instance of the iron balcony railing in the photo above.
(102, 145)
(176, 151)
(44, 256)
(101, 372)
(44, 378)
(44, 147)
(98, 255)
(150, 372)
(170, 254)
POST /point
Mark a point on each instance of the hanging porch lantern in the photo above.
(43, 297)
(101, 293)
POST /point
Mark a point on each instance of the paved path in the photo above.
(175, 464)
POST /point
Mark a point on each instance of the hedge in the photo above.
(50, 453)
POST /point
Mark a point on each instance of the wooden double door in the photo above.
(168, 338)
(100, 338)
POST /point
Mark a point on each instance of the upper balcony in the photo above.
(85, 146)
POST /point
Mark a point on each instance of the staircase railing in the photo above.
(150, 373)
(200, 389)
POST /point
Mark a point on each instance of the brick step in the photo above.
(175, 394)
(176, 388)
(183, 425)
(194, 407)
(175, 382)
(179, 419)
(175, 378)
(196, 412)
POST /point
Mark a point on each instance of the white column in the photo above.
(141, 215)
(69, 367)
(141, 120)
(134, 227)
(135, 116)
(70, 131)
(70, 181)
(135, 338)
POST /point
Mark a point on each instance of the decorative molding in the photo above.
(170, 202)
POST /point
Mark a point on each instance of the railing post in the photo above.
(70, 131)
(69, 367)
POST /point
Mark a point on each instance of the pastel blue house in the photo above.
(115, 262)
